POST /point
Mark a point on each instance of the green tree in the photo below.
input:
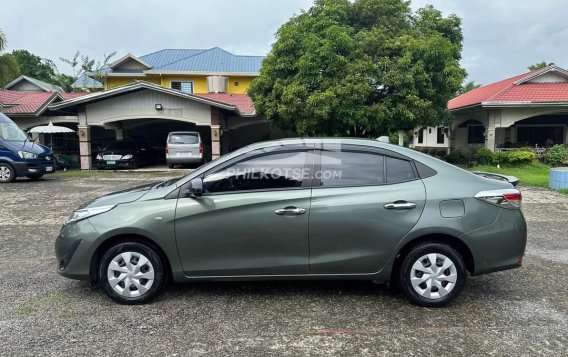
(84, 65)
(9, 69)
(539, 65)
(469, 86)
(34, 66)
(361, 68)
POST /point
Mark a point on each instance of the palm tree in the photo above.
(471, 85)
(539, 65)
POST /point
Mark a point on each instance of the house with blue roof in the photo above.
(143, 98)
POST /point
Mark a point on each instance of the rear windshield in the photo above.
(183, 139)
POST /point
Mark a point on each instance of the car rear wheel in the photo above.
(34, 177)
(432, 275)
(7, 173)
(132, 273)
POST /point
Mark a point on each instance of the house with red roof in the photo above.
(144, 98)
(530, 109)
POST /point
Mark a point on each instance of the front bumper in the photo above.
(35, 167)
(119, 164)
(74, 249)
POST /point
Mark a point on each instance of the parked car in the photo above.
(301, 209)
(20, 156)
(184, 148)
(126, 155)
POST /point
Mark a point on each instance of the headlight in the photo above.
(87, 212)
(27, 155)
(99, 157)
(127, 157)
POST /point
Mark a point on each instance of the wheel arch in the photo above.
(454, 242)
(123, 238)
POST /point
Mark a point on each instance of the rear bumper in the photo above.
(501, 245)
(172, 160)
(24, 168)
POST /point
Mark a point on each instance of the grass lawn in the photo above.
(530, 175)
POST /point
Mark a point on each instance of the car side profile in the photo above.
(308, 208)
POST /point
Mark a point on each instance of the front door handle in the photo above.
(290, 211)
(400, 205)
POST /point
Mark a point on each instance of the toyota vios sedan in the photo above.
(301, 209)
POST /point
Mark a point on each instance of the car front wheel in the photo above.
(132, 273)
(7, 173)
(432, 275)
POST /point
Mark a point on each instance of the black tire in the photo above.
(157, 266)
(170, 166)
(34, 177)
(414, 256)
(7, 173)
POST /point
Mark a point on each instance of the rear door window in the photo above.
(183, 139)
(345, 168)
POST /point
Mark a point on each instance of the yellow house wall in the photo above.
(199, 82)
(112, 82)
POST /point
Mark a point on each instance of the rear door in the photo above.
(363, 203)
(183, 145)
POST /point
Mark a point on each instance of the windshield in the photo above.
(125, 145)
(11, 132)
(183, 139)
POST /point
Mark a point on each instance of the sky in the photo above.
(501, 37)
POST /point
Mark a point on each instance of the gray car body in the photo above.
(347, 233)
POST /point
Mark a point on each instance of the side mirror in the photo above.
(195, 188)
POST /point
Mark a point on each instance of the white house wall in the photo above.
(142, 105)
(430, 138)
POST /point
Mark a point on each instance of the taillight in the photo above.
(201, 148)
(507, 198)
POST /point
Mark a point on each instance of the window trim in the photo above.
(306, 184)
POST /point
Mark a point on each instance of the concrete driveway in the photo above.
(522, 312)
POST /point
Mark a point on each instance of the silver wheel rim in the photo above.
(130, 274)
(433, 276)
(5, 173)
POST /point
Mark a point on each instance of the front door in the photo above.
(252, 218)
(365, 203)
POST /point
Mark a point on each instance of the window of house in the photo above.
(350, 168)
(271, 171)
(186, 87)
(440, 136)
(475, 134)
(236, 84)
(420, 136)
(399, 170)
(429, 130)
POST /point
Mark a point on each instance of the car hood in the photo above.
(28, 146)
(125, 196)
(118, 152)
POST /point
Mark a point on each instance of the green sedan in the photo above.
(308, 208)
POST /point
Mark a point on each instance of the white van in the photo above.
(183, 148)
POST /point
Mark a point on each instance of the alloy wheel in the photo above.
(433, 276)
(5, 173)
(130, 274)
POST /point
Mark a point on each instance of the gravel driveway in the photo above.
(523, 312)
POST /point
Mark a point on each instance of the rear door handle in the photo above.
(400, 205)
(290, 211)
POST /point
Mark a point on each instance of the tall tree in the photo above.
(9, 69)
(35, 66)
(469, 86)
(84, 66)
(539, 65)
(361, 68)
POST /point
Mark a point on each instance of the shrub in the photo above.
(557, 155)
(460, 157)
(484, 156)
(516, 157)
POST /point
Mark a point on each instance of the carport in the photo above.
(148, 112)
